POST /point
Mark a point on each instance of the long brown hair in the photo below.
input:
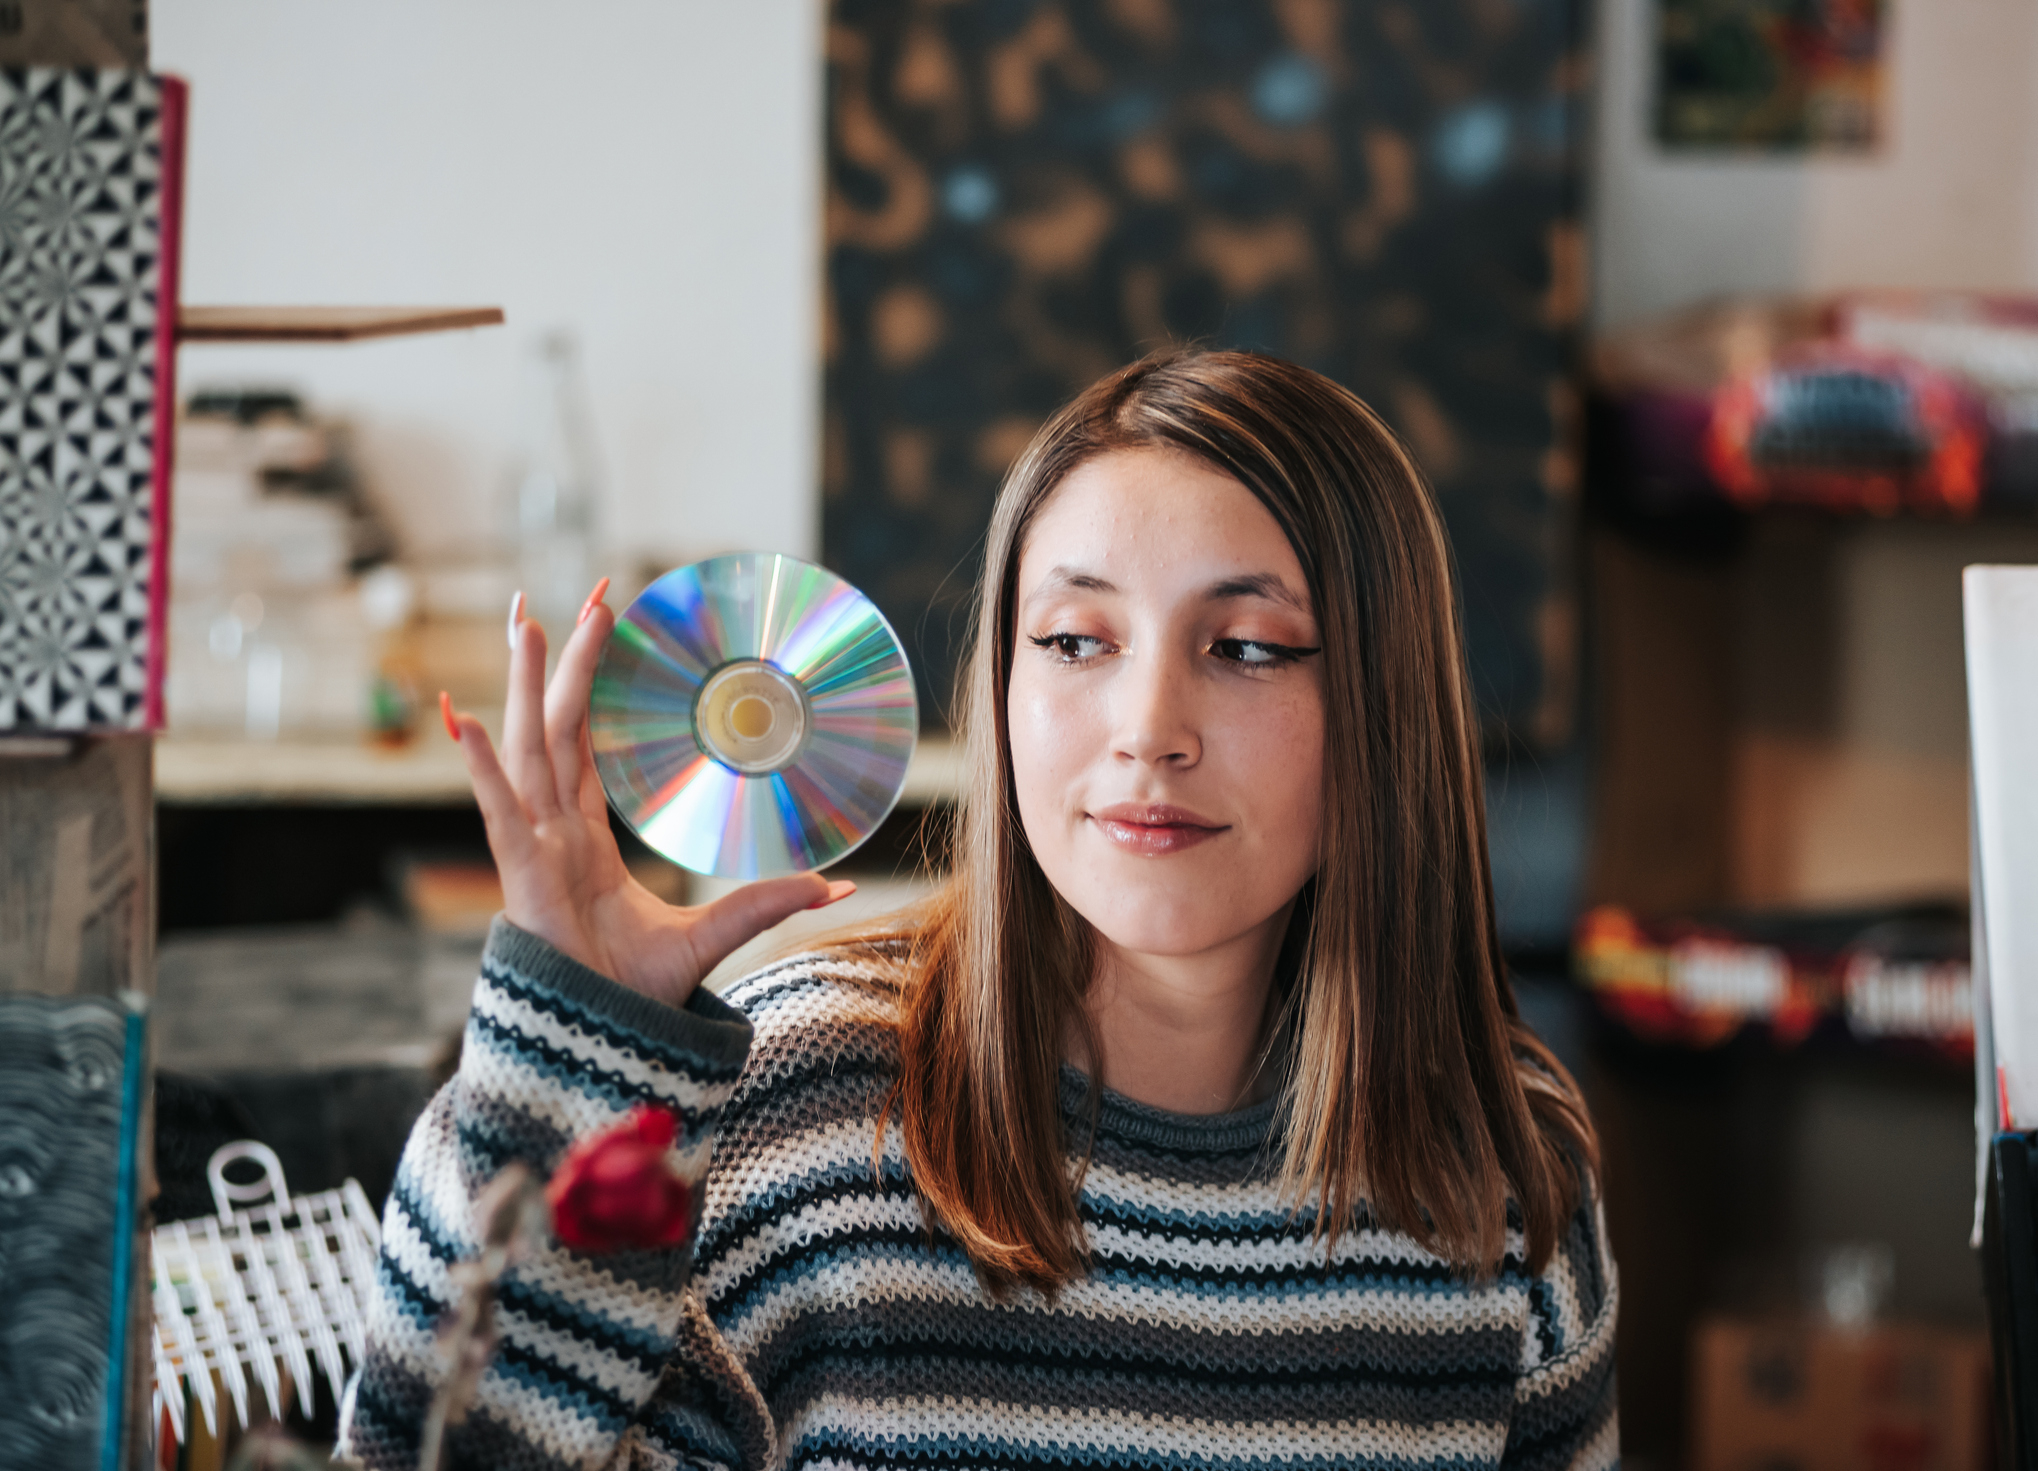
(1412, 1085)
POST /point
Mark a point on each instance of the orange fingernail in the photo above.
(446, 714)
(838, 889)
(593, 600)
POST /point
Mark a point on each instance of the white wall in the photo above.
(645, 172)
(1951, 198)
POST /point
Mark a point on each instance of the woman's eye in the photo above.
(1258, 653)
(1071, 648)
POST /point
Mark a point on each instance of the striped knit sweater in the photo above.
(817, 1321)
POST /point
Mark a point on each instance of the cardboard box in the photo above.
(1797, 1396)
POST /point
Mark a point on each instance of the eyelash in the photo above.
(1279, 654)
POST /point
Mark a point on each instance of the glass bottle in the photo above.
(556, 490)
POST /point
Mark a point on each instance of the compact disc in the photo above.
(753, 715)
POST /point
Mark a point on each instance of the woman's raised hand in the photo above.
(563, 877)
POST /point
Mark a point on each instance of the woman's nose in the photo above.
(1153, 712)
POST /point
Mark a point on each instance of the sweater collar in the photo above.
(1128, 1119)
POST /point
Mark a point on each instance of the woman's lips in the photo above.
(1151, 831)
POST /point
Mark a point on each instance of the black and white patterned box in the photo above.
(90, 164)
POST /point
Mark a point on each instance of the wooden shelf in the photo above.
(200, 771)
(224, 771)
(325, 323)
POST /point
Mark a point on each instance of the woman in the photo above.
(1191, 1122)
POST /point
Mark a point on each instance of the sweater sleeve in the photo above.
(555, 1052)
(1565, 1414)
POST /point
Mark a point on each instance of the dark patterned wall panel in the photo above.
(1024, 194)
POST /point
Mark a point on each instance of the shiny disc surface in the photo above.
(753, 715)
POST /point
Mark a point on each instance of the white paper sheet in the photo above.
(2002, 705)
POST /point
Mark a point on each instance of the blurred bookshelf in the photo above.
(1772, 962)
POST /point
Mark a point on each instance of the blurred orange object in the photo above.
(451, 895)
(1681, 981)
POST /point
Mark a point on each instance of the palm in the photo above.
(563, 877)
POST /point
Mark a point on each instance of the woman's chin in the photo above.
(1177, 922)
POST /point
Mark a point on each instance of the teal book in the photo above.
(72, 1071)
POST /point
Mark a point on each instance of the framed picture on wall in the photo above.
(1770, 74)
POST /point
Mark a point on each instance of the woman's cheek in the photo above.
(1287, 743)
(1044, 746)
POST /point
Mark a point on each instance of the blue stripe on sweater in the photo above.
(692, 1437)
(575, 1017)
(396, 1285)
(573, 1072)
(644, 1348)
(490, 1143)
(998, 1451)
(806, 1260)
(1543, 1310)
(540, 1374)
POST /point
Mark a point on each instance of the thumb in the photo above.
(736, 919)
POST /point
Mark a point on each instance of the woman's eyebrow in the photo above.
(1062, 578)
(1255, 585)
(1265, 585)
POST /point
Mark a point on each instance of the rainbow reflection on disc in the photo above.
(752, 715)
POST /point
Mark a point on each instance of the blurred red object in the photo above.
(618, 1191)
(1684, 982)
(1695, 984)
(1866, 403)
(1842, 429)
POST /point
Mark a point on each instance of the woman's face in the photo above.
(1166, 705)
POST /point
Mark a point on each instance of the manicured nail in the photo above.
(601, 590)
(446, 714)
(837, 889)
(516, 617)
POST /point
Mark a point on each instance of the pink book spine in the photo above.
(170, 240)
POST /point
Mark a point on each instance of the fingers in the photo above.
(838, 890)
(594, 802)
(508, 824)
(523, 723)
(736, 919)
(566, 699)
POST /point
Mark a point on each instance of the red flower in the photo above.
(618, 1190)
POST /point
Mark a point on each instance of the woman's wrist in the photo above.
(568, 937)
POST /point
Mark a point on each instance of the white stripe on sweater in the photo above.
(1094, 1434)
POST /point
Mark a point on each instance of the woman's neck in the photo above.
(1185, 1033)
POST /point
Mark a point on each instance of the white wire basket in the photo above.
(273, 1289)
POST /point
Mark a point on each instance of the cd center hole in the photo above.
(750, 718)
